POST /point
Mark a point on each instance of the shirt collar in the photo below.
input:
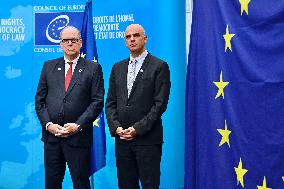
(141, 57)
(75, 61)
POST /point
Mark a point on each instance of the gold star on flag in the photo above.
(283, 178)
(240, 172)
(227, 37)
(225, 135)
(95, 60)
(244, 6)
(221, 85)
(263, 185)
(83, 55)
(96, 122)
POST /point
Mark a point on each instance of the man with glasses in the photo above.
(138, 94)
(69, 98)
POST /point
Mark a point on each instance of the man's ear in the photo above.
(145, 38)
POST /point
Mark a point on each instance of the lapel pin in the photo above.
(59, 69)
(141, 70)
(80, 70)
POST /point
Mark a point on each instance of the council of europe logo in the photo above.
(49, 25)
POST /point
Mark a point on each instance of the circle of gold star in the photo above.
(227, 37)
(96, 122)
(263, 184)
(244, 6)
(240, 172)
(225, 133)
(95, 60)
(221, 85)
(83, 55)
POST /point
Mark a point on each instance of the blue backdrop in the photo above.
(22, 52)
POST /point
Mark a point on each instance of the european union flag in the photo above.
(235, 96)
(89, 51)
(49, 25)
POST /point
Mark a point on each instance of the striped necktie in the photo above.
(131, 75)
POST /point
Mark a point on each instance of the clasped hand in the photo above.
(63, 131)
(126, 134)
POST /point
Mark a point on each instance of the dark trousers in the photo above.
(56, 155)
(138, 162)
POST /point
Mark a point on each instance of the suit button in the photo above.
(64, 100)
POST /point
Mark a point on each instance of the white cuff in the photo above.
(49, 123)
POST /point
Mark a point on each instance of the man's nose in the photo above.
(132, 38)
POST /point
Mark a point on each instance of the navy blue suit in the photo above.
(81, 104)
(142, 110)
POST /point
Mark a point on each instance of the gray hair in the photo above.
(73, 28)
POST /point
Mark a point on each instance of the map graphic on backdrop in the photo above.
(29, 35)
(16, 30)
(18, 119)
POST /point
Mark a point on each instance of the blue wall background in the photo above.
(21, 151)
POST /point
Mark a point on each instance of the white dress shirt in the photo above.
(140, 59)
(74, 63)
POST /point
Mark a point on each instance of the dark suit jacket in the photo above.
(81, 104)
(147, 101)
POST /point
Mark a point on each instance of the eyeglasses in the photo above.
(73, 40)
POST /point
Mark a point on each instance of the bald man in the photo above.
(69, 97)
(138, 95)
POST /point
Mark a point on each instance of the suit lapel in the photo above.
(140, 73)
(124, 78)
(76, 74)
(60, 75)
